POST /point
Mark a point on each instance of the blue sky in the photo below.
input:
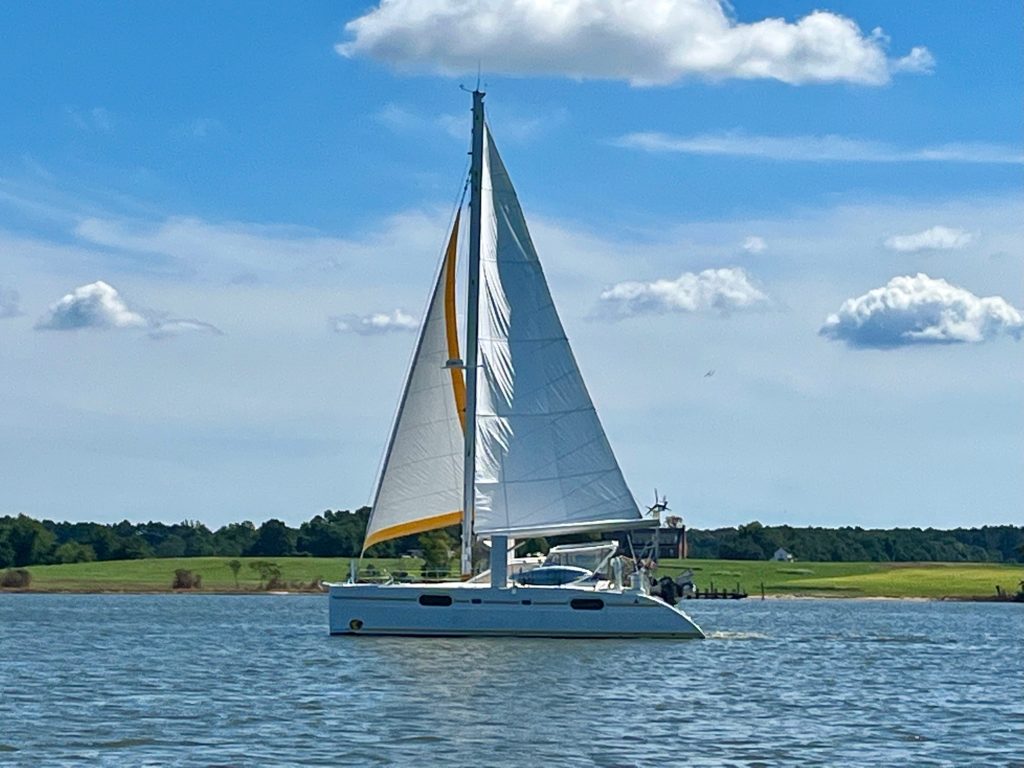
(826, 216)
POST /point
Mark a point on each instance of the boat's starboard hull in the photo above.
(457, 610)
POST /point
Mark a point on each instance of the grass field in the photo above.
(157, 574)
(928, 580)
(932, 580)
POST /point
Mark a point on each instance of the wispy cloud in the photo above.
(227, 249)
(936, 238)
(99, 305)
(375, 324)
(754, 244)
(720, 290)
(919, 61)
(9, 299)
(162, 328)
(817, 149)
(400, 119)
(921, 310)
(598, 39)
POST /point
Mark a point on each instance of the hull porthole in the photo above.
(355, 625)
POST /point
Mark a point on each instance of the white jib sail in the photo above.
(420, 483)
(544, 465)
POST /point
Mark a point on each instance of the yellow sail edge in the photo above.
(413, 526)
(451, 322)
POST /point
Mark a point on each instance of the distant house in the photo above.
(782, 555)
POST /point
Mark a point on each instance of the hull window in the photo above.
(587, 604)
(435, 600)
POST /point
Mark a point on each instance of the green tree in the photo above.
(74, 552)
(269, 572)
(234, 539)
(101, 539)
(437, 549)
(171, 546)
(132, 547)
(29, 541)
(531, 546)
(197, 537)
(6, 552)
(332, 534)
(274, 539)
(235, 565)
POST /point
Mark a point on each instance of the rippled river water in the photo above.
(224, 680)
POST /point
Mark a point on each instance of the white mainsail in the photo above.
(420, 482)
(543, 462)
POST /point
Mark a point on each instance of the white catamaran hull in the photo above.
(465, 610)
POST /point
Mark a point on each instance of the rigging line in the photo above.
(456, 206)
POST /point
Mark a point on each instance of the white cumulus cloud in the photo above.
(921, 310)
(937, 238)
(754, 244)
(640, 41)
(722, 290)
(375, 324)
(99, 305)
(96, 305)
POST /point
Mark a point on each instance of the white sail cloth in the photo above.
(543, 463)
(420, 484)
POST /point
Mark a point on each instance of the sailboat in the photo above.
(507, 444)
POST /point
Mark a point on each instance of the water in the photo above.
(224, 680)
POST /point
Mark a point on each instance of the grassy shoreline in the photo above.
(958, 581)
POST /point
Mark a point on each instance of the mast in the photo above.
(472, 325)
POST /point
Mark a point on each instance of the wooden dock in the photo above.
(713, 593)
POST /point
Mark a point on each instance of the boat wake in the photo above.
(724, 635)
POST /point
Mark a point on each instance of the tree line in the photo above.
(990, 543)
(26, 541)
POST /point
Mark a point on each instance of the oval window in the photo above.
(587, 604)
(435, 600)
